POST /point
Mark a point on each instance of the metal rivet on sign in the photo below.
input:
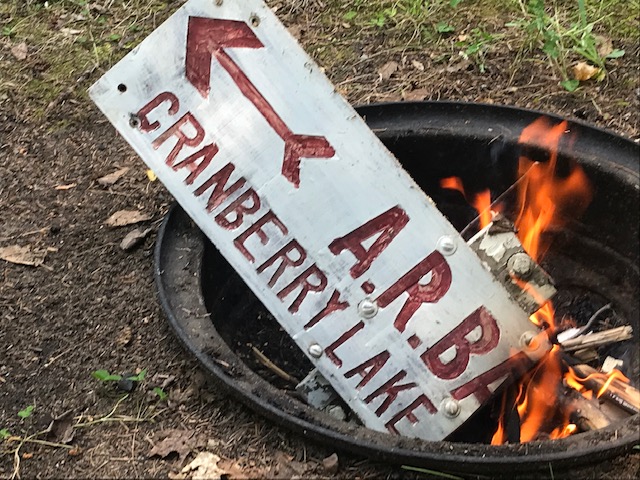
(367, 308)
(134, 121)
(254, 20)
(527, 340)
(446, 245)
(520, 265)
(315, 350)
(451, 407)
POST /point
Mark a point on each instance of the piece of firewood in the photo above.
(618, 392)
(585, 413)
(598, 339)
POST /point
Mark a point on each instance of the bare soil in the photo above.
(93, 306)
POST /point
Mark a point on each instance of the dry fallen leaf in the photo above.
(112, 178)
(134, 238)
(416, 95)
(20, 51)
(387, 70)
(23, 255)
(605, 45)
(206, 467)
(417, 65)
(234, 471)
(583, 71)
(61, 428)
(178, 441)
(126, 217)
(458, 64)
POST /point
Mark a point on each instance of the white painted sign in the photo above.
(320, 220)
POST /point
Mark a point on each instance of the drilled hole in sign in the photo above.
(254, 20)
(122, 88)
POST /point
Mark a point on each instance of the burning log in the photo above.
(611, 388)
(594, 340)
(585, 413)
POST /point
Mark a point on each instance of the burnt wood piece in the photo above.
(618, 392)
(592, 340)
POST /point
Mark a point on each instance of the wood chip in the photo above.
(112, 178)
(417, 65)
(23, 255)
(126, 217)
(68, 186)
(331, 464)
(20, 51)
(387, 70)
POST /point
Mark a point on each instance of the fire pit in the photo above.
(594, 262)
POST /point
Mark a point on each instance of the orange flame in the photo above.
(613, 375)
(548, 195)
(482, 203)
(539, 402)
(453, 183)
(545, 197)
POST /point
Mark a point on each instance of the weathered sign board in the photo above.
(320, 220)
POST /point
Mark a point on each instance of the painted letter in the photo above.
(257, 229)
(206, 153)
(239, 208)
(433, 291)
(391, 390)
(145, 126)
(303, 281)
(387, 225)
(183, 139)
(219, 181)
(422, 400)
(369, 368)
(457, 339)
(287, 261)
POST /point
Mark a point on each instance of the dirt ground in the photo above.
(90, 305)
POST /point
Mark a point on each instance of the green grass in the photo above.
(71, 42)
(68, 41)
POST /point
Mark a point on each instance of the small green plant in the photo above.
(4, 433)
(105, 376)
(444, 27)
(26, 412)
(160, 393)
(559, 41)
(476, 45)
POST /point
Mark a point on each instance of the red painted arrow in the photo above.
(207, 38)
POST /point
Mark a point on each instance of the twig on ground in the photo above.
(272, 366)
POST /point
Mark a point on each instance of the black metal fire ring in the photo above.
(179, 257)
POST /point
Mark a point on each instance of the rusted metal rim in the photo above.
(179, 258)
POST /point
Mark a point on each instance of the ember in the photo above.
(551, 192)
